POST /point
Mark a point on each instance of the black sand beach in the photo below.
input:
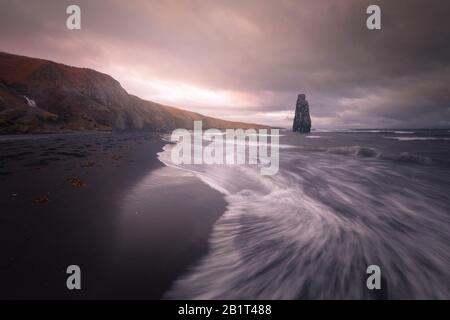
(68, 199)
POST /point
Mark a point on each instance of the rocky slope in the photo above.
(40, 96)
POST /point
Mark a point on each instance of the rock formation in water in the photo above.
(302, 120)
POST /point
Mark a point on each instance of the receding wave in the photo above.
(310, 231)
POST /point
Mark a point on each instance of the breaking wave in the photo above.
(367, 152)
(419, 138)
(363, 131)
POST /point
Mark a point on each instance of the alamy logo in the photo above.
(374, 20)
(73, 22)
(374, 280)
(234, 146)
(74, 280)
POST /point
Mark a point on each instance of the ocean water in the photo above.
(341, 201)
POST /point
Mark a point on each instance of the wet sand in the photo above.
(101, 201)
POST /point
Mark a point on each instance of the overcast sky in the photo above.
(248, 60)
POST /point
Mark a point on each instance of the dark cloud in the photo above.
(247, 60)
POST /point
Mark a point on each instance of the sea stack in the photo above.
(302, 120)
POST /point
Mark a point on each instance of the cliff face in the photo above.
(39, 95)
(302, 119)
